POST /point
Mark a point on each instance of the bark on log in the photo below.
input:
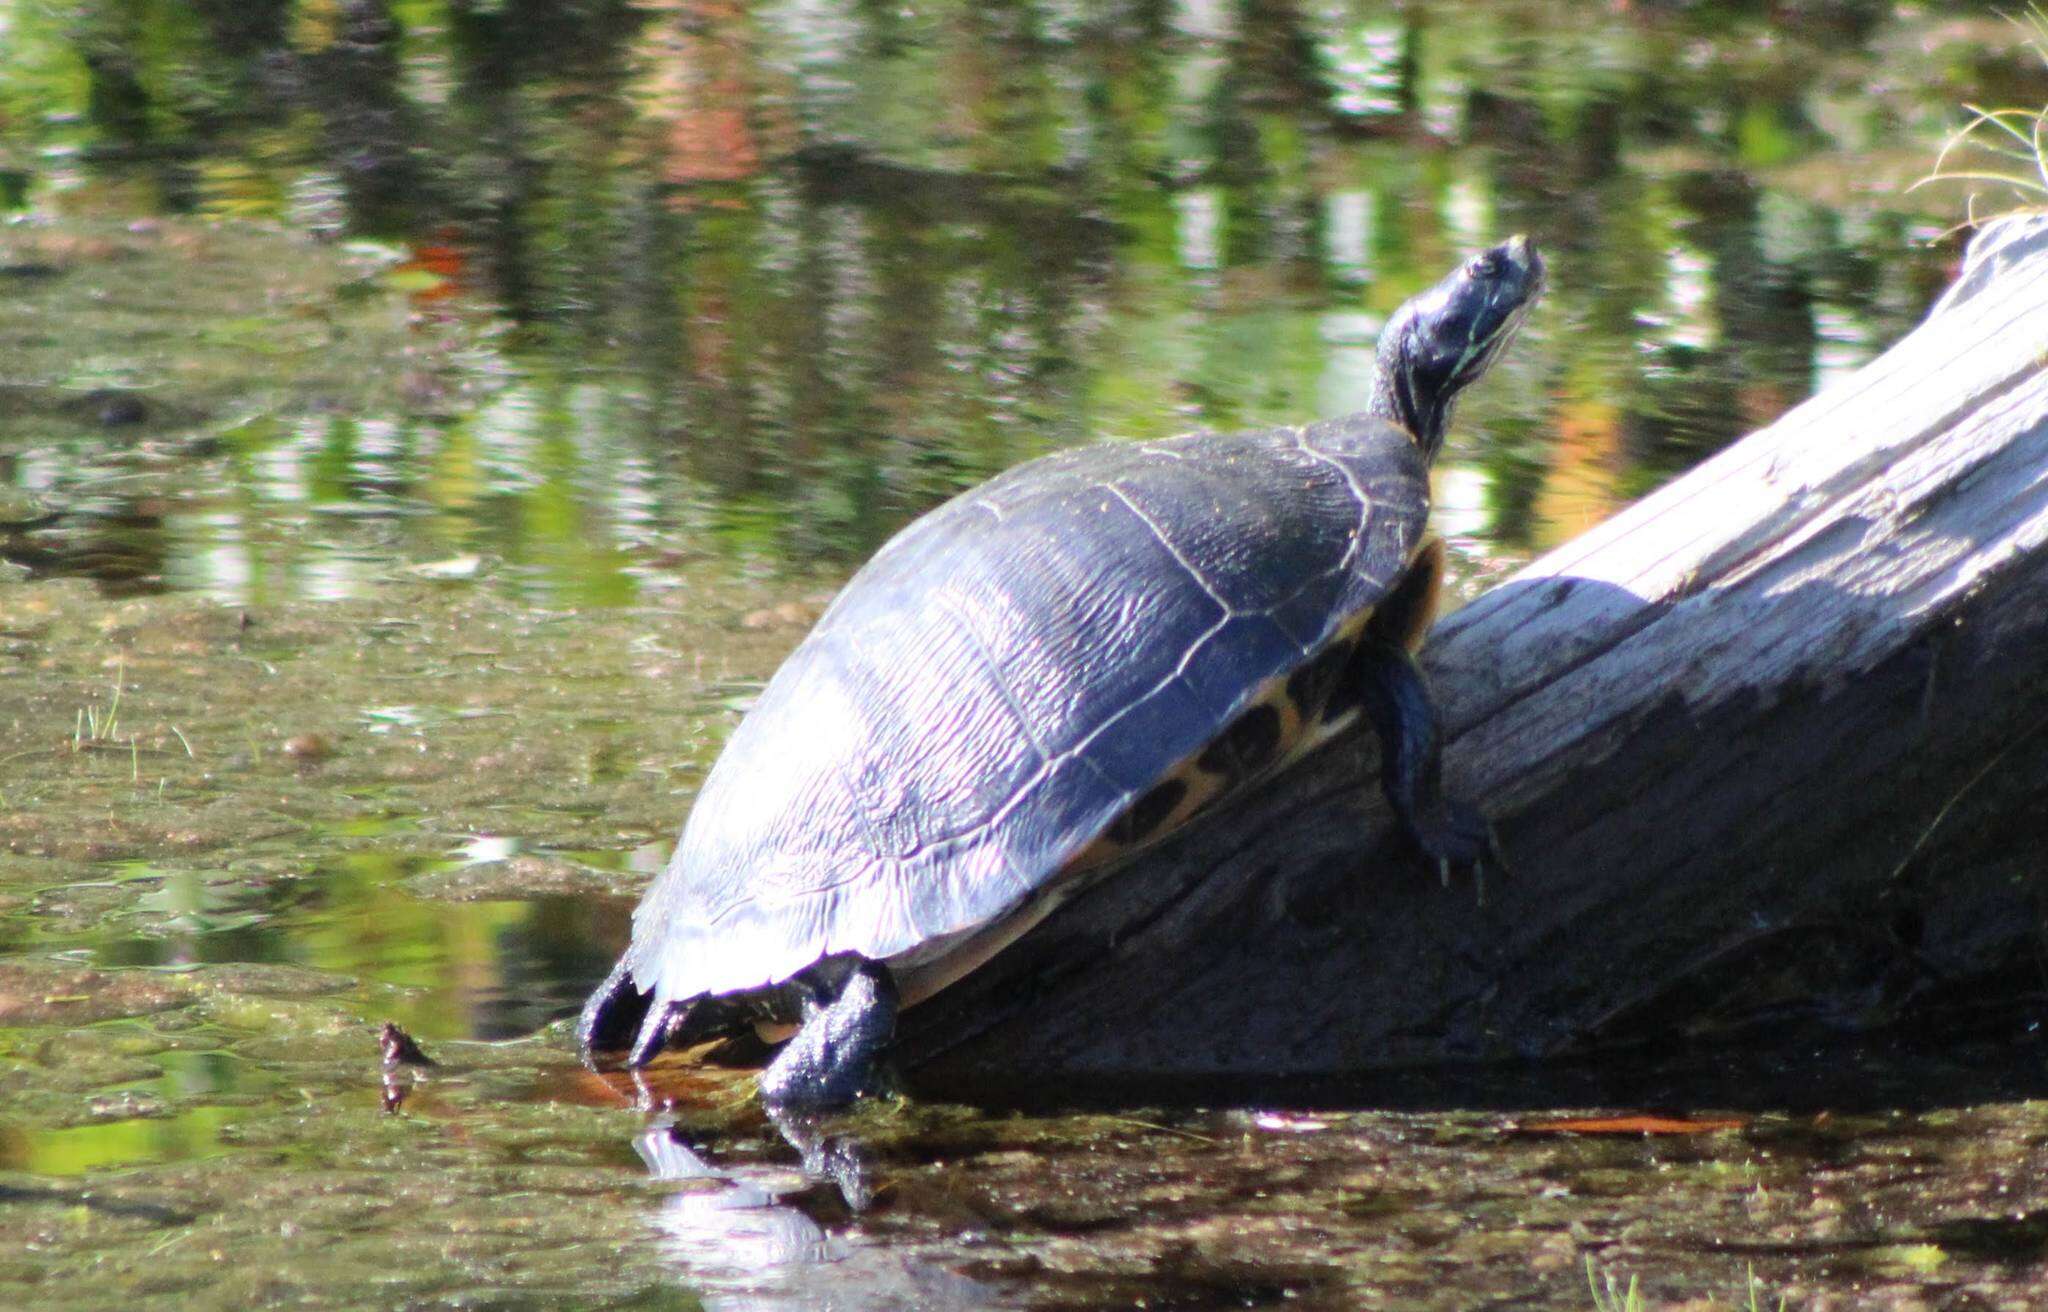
(1775, 736)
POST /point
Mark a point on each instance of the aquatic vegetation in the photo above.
(95, 727)
(1609, 1295)
(425, 425)
(2007, 147)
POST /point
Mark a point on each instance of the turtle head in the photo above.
(1441, 340)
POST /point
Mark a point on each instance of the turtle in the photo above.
(1043, 676)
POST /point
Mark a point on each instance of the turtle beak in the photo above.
(1514, 268)
(1519, 253)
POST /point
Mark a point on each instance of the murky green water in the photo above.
(421, 430)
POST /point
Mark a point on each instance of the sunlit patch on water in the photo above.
(118, 1142)
(462, 969)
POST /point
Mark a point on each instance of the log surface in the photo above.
(1772, 740)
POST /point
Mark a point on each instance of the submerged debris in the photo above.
(401, 1049)
(403, 1059)
(1635, 1123)
(308, 747)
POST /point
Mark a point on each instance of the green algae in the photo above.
(198, 1113)
(375, 654)
(204, 926)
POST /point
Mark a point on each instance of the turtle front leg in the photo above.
(1451, 833)
(832, 1059)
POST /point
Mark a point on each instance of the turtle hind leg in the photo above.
(612, 1017)
(832, 1059)
(1452, 834)
(621, 1018)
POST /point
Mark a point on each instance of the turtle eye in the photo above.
(1486, 264)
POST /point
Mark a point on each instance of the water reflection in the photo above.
(469, 969)
(785, 275)
(139, 1138)
(746, 1244)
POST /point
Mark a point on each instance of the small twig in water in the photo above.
(1959, 794)
(1162, 1129)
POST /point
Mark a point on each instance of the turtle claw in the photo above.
(1459, 839)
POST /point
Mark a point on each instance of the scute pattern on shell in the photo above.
(1006, 677)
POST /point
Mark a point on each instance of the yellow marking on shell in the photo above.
(1347, 632)
(1302, 730)
(1428, 564)
(1299, 732)
(1292, 718)
(930, 972)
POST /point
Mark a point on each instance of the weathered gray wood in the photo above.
(1777, 736)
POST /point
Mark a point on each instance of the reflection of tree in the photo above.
(116, 103)
(700, 85)
(1641, 393)
(1763, 309)
(868, 341)
(351, 69)
(1581, 483)
(1558, 176)
(548, 961)
(857, 254)
(244, 31)
(538, 180)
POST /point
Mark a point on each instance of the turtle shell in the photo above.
(1000, 694)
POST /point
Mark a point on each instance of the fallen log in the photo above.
(1775, 738)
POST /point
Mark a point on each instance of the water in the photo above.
(422, 431)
